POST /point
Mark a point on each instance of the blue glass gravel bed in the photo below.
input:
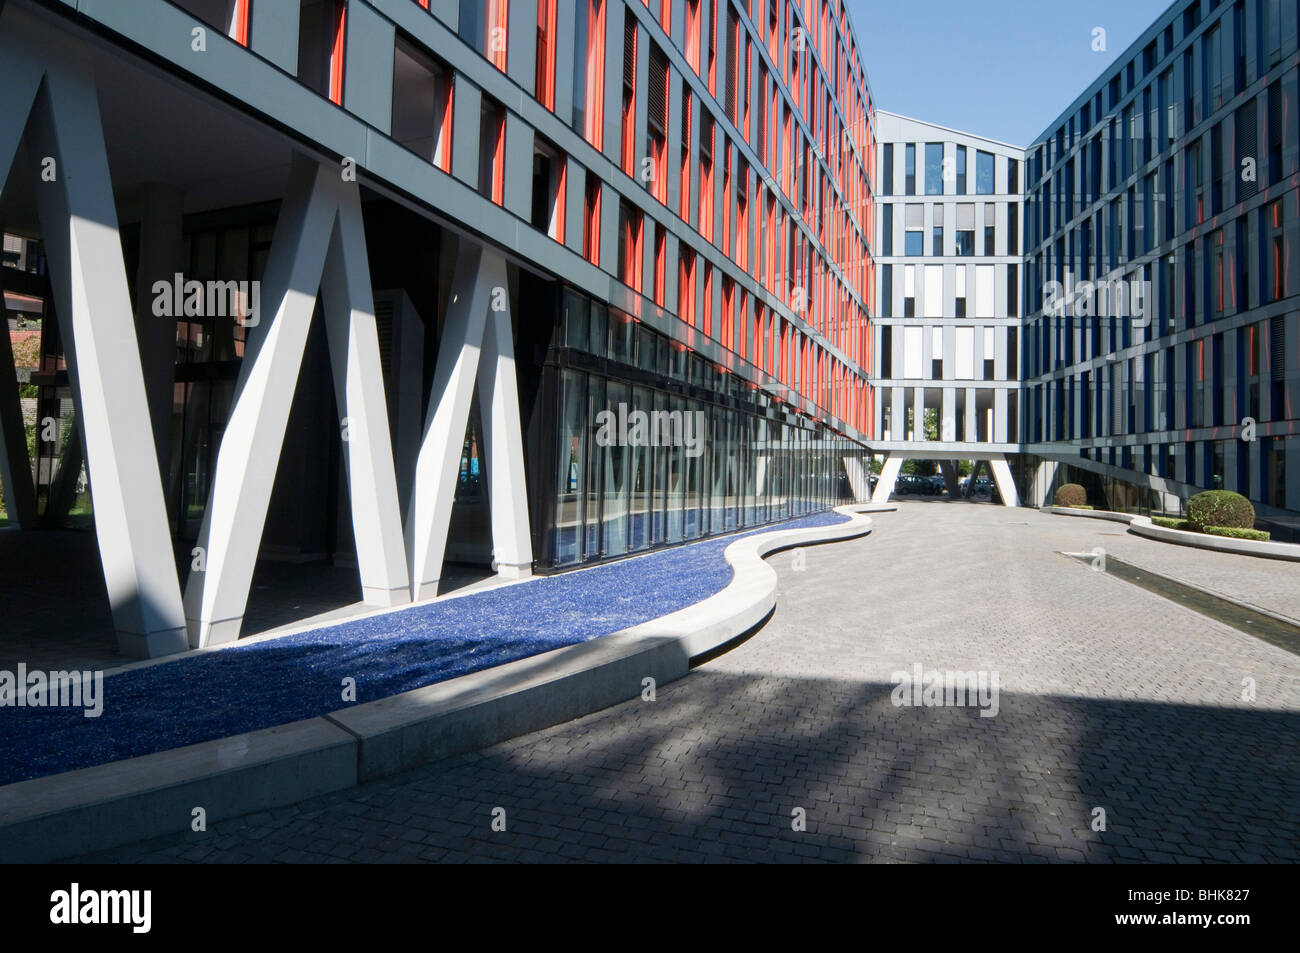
(277, 681)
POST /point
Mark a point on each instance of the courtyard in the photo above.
(1128, 728)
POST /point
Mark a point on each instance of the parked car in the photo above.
(916, 485)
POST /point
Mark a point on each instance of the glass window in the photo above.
(640, 488)
(320, 50)
(934, 168)
(693, 467)
(577, 317)
(571, 463)
(483, 25)
(621, 331)
(984, 173)
(646, 356)
(674, 472)
(965, 229)
(599, 337)
(616, 480)
(720, 461)
(597, 467)
(549, 174)
(492, 151)
(589, 70)
(421, 118)
(228, 16)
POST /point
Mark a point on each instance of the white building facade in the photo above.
(946, 341)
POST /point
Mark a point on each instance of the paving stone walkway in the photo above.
(1110, 698)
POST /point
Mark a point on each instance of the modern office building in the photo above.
(531, 284)
(946, 349)
(1158, 344)
(1171, 183)
(520, 283)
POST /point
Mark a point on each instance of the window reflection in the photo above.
(648, 464)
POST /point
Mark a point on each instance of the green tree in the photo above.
(930, 425)
(27, 354)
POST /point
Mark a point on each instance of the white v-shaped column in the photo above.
(319, 243)
(477, 344)
(74, 201)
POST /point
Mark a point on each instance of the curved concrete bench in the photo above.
(1142, 526)
(125, 801)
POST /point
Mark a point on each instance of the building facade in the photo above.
(397, 283)
(947, 336)
(1144, 340)
(1161, 343)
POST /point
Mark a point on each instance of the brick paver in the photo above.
(1110, 698)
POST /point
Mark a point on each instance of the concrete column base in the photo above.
(207, 634)
(153, 644)
(514, 571)
(387, 598)
(423, 591)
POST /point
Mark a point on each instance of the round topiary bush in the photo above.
(1220, 508)
(1071, 494)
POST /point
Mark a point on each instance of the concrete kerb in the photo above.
(126, 801)
(1142, 526)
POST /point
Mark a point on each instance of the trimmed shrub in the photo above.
(1071, 494)
(1235, 532)
(1220, 508)
(1168, 522)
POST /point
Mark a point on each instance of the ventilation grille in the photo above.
(629, 52)
(1277, 347)
(657, 100)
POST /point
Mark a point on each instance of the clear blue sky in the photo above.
(997, 68)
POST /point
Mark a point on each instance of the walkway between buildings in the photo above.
(1111, 699)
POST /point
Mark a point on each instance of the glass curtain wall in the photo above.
(656, 447)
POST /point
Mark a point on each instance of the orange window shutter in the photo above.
(545, 80)
(595, 131)
(499, 166)
(337, 51)
(660, 267)
(448, 114)
(241, 22)
(561, 202)
(707, 324)
(683, 292)
(499, 32)
(639, 257)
